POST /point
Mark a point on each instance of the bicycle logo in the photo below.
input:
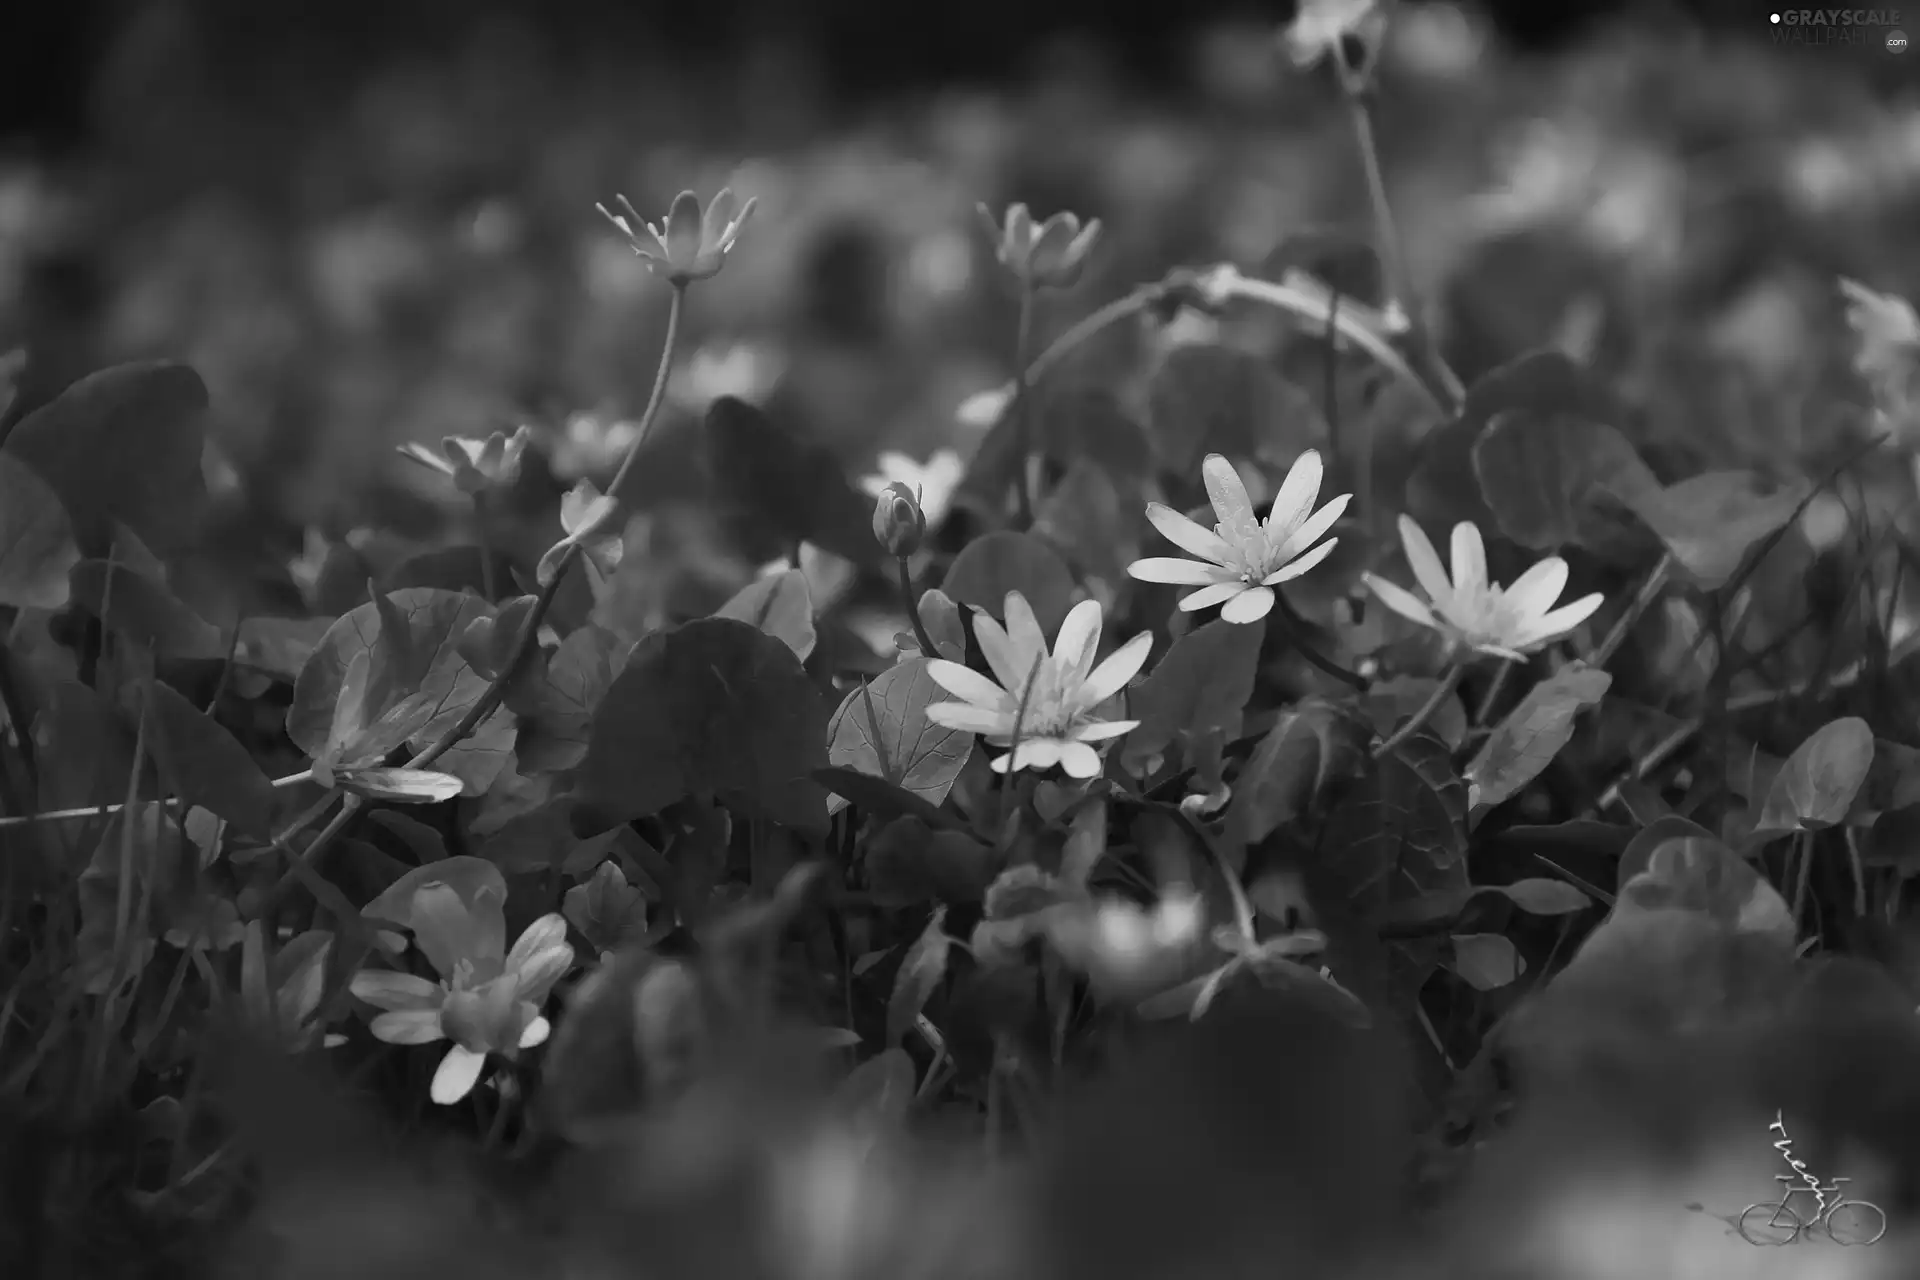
(1782, 1221)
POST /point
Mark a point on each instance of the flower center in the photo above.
(1048, 711)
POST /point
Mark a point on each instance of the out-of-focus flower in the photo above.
(1048, 256)
(1506, 622)
(828, 576)
(591, 444)
(586, 515)
(1119, 944)
(1241, 559)
(743, 370)
(1060, 691)
(932, 482)
(693, 246)
(898, 524)
(488, 999)
(280, 995)
(1319, 25)
(982, 409)
(475, 465)
(1886, 354)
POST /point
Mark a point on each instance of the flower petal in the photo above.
(449, 931)
(969, 685)
(1033, 753)
(1294, 502)
(1101, 730)
(541, 970)
(1174, 571)
(459, 1071)
(1533, 592)
(1029, 642)
(1425, 562)
(1250, 605)
(968, 718)
(1311, 530)
(1207, 597)
(1079, 760)
(1228, 494)
(1187, 535)
(1401, 601)
(1469, 562)
(1557, 623)
(408, 1026)
(1079, 634)
(1301, 564)
(538, 1029)
(544, 934)
(396, 991)
(998, 650)
(1111, 676)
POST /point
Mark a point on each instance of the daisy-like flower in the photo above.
(488, 999)
(1047, 255)
(1241, 560)
(1061, 690)
(933, 482)
(1507, 622)
(475, 465)
(693, 245)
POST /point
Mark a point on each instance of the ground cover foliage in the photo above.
(1269, 804)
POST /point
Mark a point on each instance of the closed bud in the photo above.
(898, 522)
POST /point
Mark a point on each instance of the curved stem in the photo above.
(1090, 326)
(1448, 684)
(913, 611)
(659, 392)
(1022, 414)
(1298, 302)
(487, 583)
(1492, 695)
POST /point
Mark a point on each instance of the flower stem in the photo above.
(1296, 629)
(1492, 695)
(1448, 684)
(913, 611)
(1643, 600)
(487, 583)
(1022, 414)
(1013, 749)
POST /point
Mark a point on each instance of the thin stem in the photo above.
(487, 583)
(1643, 599)
(659, 392)
(1022, 414)
(1013, 747)
(1084, 330)
(105, 810)
(913, 611)
(1448, 684)
(1296, 629)
(1295, 301)
(1494, 688)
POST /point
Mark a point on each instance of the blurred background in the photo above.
(367, 224)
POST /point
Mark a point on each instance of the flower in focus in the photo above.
(1060, 691)
(1241, 559)
(933, 482)
(475, 465)
(898, 522)
(693, 245)
(1319, 25)
(585, 516)
(1507, 622)
(1048, 256)
(488, 999)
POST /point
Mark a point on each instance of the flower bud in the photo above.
(898, 522)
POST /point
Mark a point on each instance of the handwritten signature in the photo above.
(1784, 1221)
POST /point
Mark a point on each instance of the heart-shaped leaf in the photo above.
(142, 609)
(1201, 685)
(606, 909)
(1544, 476)
(1487, 961)
(471, 878)
(1400, 830)
(882, 729)
(1533, 734)
(1391, 703)
(1711, 521)
(1206, 398)
(36, 539)
(712, 707)
(996, 563)
(1314, 744)
(123, 444)
(1817, 785)
(794, 487)
(945, 627)
(556, 705)
(779, 605)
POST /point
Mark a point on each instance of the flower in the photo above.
(933, 482)
(1319, 26)
(584, 513)
(1506, 622)
(898, 522)
(475, 465)
(1060, 690)
(1049, 256)
(1120, 944)
(488, 999)
(1244, 559)
(694, 245)
(1887, 356)
(982, 410)
(590, 444)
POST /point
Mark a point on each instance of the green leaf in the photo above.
(779, 605)
(1206, 398)
(1201, 685)
(1070, 421)
(1313, 745)
(1533, 734)
(882, 729)
(556, 706)
(123, 444)
(1400, 832)
(203, 764)
(36, 539)
(990, 566)
(945, 627)
(793, 488)
(606, 909)
(279, 647)
(919, 975)
(1085, 518)
(712, 707)
(1816, 787)
(471, 878)
(1543, 897)
(875, 795)
(144, 611)
(1711, 521)
(1544, 477)
(1391, 702)
(435, 621)
(85, 748)
(399, 786)
(1487, 961)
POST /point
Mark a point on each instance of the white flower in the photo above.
(1244, 559)
(1506, 622)
(1061, 690)
(933, 482)
(982, 409)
